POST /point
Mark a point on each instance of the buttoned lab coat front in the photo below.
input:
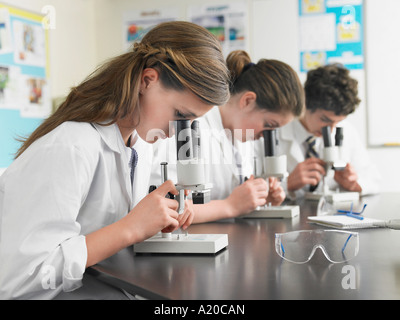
(218, 152)
(291, 144)
(69, 183)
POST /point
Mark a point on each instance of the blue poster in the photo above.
(331, 31)
(24, 84)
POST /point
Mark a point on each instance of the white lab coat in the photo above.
(217, 151)
(292, 143)
(67, 184)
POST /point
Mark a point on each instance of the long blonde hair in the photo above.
(186, 55)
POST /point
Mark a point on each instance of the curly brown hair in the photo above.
(331, 88)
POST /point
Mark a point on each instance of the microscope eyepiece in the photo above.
(269, 142)
(339, 136)
(326, 134)
(184, 148)
(196, 139)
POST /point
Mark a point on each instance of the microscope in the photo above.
(332, 155)
(191, 175)
(272, 166)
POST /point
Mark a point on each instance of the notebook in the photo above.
(344, 222)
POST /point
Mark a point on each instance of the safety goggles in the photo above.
(300, 246)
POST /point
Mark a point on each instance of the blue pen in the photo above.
(351, 214)
(351, 210)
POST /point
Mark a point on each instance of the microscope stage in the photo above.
(273, 212)
(190, 243)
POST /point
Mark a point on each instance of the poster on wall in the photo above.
(5, 32)
(228, 22)
(137, 23)
(331, 31)
(23, 61)
(25, 98)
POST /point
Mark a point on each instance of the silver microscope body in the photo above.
(273, 166)
(332, 155)
(190, 166)
(191, 175)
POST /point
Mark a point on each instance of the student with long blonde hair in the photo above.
(66, 201)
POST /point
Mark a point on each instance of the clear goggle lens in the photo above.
(299, 246)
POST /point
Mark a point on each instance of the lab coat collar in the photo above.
(288, 134)
(111, 135)
(214, 119)
(294, 129)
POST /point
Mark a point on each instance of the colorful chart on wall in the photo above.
(138, 22)
(228, 22)
(331, 31)
(24, 83)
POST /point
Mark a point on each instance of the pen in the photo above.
(351, 215)
(351, 210)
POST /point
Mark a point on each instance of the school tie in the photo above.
(311, 152)
(132, 163)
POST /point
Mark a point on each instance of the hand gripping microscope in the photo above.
(272, 166)
(191, 176)
(332, 155)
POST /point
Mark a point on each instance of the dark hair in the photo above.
(331, 88)
(187, 56)
(275, 83)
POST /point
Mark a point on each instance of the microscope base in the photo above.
(334, 196)
(286, 212)
(191, 243)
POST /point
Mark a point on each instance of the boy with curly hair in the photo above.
(331, 95)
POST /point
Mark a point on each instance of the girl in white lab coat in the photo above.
(265, 95)
(66, 202)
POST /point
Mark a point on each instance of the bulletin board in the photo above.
(331, 31)
(24, 82)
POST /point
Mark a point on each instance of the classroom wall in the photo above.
(73, 52)
(89, 32)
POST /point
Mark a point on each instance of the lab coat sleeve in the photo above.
(293, 195)
(42, 250)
